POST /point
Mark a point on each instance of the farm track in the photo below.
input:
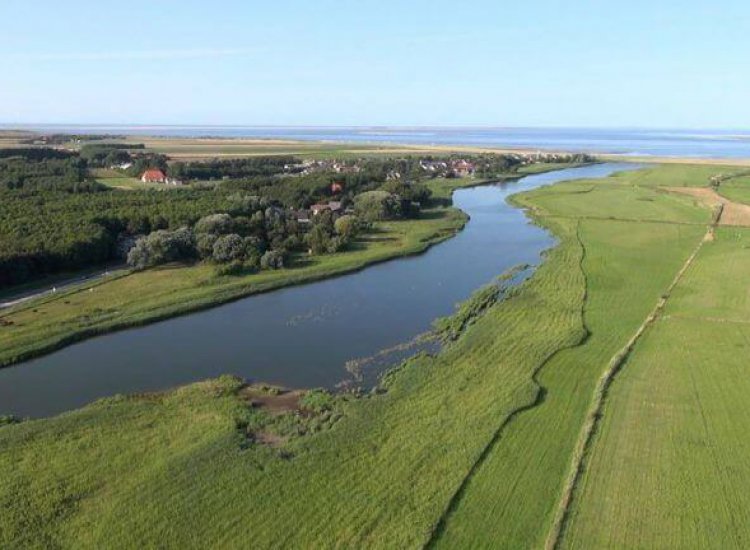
(541, 393)
(593, 419)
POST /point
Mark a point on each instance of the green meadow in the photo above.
(505, 439)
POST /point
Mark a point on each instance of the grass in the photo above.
(470, 448)
(625, 267)
(736, 189)
(117, 180)
(673, 435)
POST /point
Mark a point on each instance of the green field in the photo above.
(473, 448)
(736, 189)
(117, 180)
(673, 435)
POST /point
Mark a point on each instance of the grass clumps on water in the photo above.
(449, 328)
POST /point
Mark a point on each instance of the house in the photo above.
(154, 175)
(333, 206)
(303, 216)
(318, 208)
(337, 187)
(173, 181)
(463, 168)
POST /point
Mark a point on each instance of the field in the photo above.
(673, 434)
(116, 180)
(601, 404)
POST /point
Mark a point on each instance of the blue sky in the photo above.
(534, 63)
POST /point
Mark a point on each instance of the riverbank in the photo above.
(427, 452)
(41, 326)
(475, 441)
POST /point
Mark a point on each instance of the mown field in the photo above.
(673, 440)
(472, 448)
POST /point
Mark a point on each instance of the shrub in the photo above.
(318, 401)
(347, 226)
(219, 224)
(228, 248)
(273, 259)
(377, 205)
(161, 247)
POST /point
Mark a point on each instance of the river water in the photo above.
(300, 336)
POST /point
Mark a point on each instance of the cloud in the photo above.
(130, 55)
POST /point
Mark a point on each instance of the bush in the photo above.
(219, 224)
(318, 401)
(377, 205)
(205, 244)
(347, 226)
(273, 259)
(228, 248)
(161, 247)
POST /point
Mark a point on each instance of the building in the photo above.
(318, 208)
(463, 168)
(333, 206)
(154, 175)
(337, 187)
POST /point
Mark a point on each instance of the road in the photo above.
(58, 286)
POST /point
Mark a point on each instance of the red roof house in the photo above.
(337, 187)
(154, 175)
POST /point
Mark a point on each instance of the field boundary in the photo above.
(593, 418)
(541, 393)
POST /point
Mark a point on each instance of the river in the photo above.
(299, 336)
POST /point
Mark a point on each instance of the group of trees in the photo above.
(30, 169)
(107, 154)
(252, 234)
(56, 218)
(329, 235)
(232, 168)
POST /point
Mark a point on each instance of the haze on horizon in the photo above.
(545, 63)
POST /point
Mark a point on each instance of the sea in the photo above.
(720, 143)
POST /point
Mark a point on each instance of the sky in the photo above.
(586, 63)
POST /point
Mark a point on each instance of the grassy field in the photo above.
(471, 448)
(626, 266)
(736, 189)
(673, 435)
(117, 180)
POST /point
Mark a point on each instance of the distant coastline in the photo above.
(692, 143)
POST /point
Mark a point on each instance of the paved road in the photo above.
(59, 286)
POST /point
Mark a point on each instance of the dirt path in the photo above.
(733, 213)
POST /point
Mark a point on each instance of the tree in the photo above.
(161, 247)
(377, 205)
(273, 259)
(219, 224)
(228, 248)
(347, 226)
(318, 239)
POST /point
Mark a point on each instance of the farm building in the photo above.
(153, 175)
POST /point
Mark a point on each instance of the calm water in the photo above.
(301, 336)
(657, 142)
